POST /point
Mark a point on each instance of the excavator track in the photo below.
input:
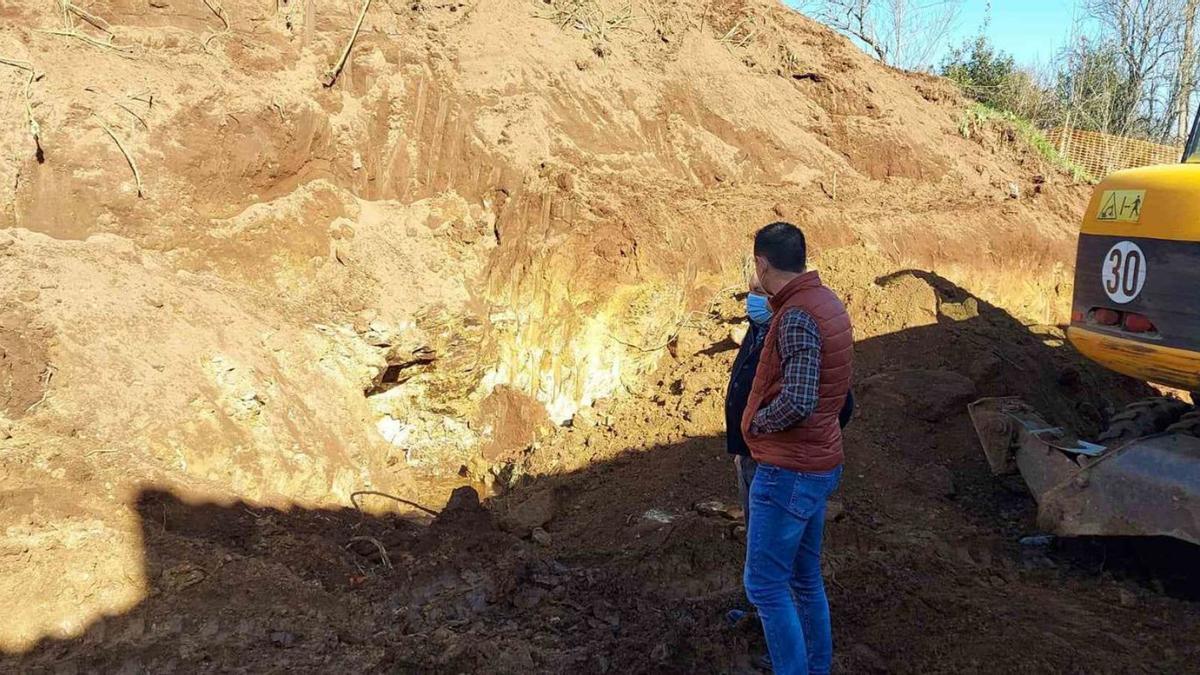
(1189, 424)
(1145, 418)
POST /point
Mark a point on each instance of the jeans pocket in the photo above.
(768, 486)
(810, 493)
(767, 475)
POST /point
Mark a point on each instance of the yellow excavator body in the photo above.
(1136, 310)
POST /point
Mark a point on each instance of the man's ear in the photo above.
(764, 271)
(761, 267)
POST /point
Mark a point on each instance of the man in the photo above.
(791, 427)
(758, 311)
(741, 378)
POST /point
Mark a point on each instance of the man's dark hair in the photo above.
(782, 244)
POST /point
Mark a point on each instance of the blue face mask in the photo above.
(758, 309)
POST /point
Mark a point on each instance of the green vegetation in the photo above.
(979, 116)
(992, 78)
(1074, 97)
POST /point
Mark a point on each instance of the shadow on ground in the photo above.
(613, 568)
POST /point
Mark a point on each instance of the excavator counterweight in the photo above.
(1135, 311)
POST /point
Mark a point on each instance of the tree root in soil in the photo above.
(354, 500)
(137, 175)
(70, 10)
(332, 76)
(219, 10)
(35, 129)
(383, 556)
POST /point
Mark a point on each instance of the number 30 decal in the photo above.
(1124, 272)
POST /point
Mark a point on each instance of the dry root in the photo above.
(137, 175)
(35, 129)
(383, 556)
(587, 17)
(219, 10)
(336, 70)
(70, 11)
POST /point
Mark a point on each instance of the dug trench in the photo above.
(626, 565)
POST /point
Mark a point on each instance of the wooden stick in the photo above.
(96, 21)
(137, 175)
(219, 10)
(337, 69)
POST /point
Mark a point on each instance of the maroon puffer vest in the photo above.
(816, 444)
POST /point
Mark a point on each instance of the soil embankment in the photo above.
(503, 248)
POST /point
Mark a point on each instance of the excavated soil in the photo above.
(602, 558)
(422, 369)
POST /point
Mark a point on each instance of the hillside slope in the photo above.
(499, 214)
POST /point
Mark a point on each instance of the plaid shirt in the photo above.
(800, 350)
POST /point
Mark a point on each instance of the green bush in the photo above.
(979, 115)
(993, 78)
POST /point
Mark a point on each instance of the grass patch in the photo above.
(979, 116)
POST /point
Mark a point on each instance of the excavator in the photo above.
(1135, 310)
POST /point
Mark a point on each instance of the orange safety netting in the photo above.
(1100, 154)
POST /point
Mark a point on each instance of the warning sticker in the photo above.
(1124, 206)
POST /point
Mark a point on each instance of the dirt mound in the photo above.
(230, 278)
(930, 395)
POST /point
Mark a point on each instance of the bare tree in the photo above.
(1146, 34)
(1088, 83)
(1187, 71)
(902, 33)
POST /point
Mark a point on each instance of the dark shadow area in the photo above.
(1160, 565)
(726, 345)
(613, 568)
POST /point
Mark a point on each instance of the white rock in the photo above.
(738, 333)
(394, 431)
(658, 516)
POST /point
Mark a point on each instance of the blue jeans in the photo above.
(783, 566)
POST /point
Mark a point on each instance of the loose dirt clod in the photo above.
(928, 395)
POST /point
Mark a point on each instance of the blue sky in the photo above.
(1031, 30)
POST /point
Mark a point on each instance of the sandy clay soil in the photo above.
(422, 369)
(620, 566)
